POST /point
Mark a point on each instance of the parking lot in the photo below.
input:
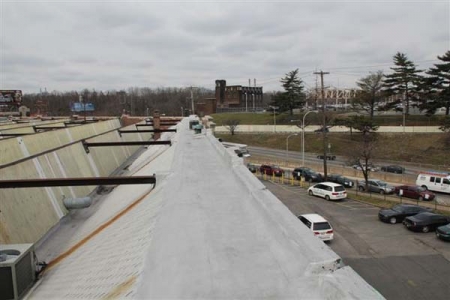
(399, 263)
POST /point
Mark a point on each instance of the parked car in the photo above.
(375, 186)
(425, 221)
(313, 176)
(242, 152)
(414, 192)
(369, 167)
(252, 168)
(271, 170)
(329, 157)
(346, 182)
(443, 232)
(399, 212)
(299, 172)
(318, 225)
(322, 129)
(328, 190)
(393, 169)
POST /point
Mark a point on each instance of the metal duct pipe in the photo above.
(77, 203)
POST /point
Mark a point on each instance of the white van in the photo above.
(437, 182)
(318, 225)
(328, 190)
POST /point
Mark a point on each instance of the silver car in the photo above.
(376, 186)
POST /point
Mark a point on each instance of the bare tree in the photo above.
(231, 125)
(363, 151)
(370, 92)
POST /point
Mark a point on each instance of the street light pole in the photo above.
(303, 136)
(287, 144)
(246, 105)
(274, 120)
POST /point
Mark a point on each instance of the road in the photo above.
(311, 157)
(398, 263)
(280, 155)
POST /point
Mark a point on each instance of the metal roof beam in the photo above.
(83, 181)
(86, 145)
(147, 130)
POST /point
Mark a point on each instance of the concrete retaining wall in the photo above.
(311, 128)
(27, 214)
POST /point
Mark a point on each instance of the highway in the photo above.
(399, 263)
(295, 156)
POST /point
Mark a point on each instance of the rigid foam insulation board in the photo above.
(108, 159)
(68, 162)
(26, 214)
(11, 150)
(45, 141)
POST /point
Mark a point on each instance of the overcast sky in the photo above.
(106, 45)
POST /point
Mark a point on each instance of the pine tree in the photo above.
(436, 86)
(293, 95)
(403, 80)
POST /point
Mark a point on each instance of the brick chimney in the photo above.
(156, 124)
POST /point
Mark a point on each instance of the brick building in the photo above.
(238, 97)
(205, 107)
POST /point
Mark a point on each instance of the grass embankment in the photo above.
(266, 118)
(426, 149)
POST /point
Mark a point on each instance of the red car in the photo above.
(271, 170)
(415, 192)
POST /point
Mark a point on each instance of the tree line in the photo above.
(135, 101)
(428, 89)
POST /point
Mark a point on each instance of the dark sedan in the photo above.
(329, 157)
(251, 167)
(414, 192)
(299, 172)
(312, 176)
(443, 232)
(399, 212)
(336, 178)
(393, 169)
(425, 221)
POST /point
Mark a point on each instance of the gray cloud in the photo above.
(113, 45)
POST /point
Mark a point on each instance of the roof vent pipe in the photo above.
(77, 203)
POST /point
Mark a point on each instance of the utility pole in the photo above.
(324, 124)
(192, 98)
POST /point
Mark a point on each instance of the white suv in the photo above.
(328, 190)
(318, 225)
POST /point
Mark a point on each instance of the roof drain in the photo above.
(77, 203)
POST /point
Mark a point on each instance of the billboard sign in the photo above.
(9, 97)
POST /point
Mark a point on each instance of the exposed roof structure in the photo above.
(208, 229)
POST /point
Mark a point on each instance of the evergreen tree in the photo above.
(436, 87)
(403, 80)
(293, 95)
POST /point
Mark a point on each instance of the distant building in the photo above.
(238, 97)
(205, 107)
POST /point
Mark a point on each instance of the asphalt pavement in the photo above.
(399, 263)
